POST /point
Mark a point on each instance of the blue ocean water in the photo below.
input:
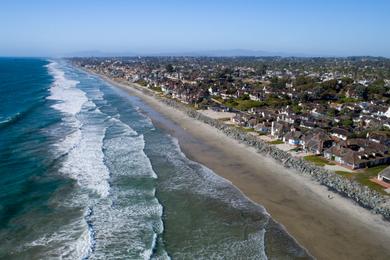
(84, 174)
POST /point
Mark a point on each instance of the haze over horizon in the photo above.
(291, 28)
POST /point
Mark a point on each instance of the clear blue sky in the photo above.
(312, 27)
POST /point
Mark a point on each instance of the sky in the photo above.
(296, 27)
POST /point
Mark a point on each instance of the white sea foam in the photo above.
(119, 221)
(125, 229)
(84, 162)
(148, 252)
(84, 158)
(129, 143)
(129, 213)
(127, 146)
(69, 142)
(71, 99)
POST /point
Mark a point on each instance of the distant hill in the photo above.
(96, 53)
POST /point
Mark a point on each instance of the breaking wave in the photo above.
(115, 182)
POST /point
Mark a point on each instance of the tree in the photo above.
(347, 122)
(332, 112)
(302, 80)
(169, 68)
(346, 81)
(304, 96)
(330, 84)
(296, 108)
(377, 87)
(262, 70)
(362, 92)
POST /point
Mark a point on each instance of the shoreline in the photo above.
(329, 229)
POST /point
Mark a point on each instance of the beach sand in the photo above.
(335, 228)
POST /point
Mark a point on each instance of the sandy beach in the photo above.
(329, 228)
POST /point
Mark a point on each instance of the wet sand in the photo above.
(334, 228)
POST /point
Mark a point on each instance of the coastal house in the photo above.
(316, 141)
(345, 156)
(340, 133)
(218, 108)
(308, 124)
(263, 127)
(358, 153)
(279, 129)
(256, 95)
(363, 143)
(263, 112)
(214, 91)
(352, 93)
(386, 124)
(239, 93)
(241, 119)
(293, 137)
(384, 177)
(336, 106)
(319, 111)
(378, 137)
(252, 122)
(287, 110)
(225, 94)
(289, 118)
(324, 123)
(387, 113)
(166, 89)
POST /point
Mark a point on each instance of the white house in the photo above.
(384, 175)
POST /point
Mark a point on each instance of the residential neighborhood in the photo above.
(336, 110)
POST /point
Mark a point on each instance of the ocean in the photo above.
(85, 174)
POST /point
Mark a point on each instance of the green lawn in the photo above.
(361, 176)
(317, 160)
(157, 89)
(373, 171)
(242, 105)
(296, 149)
(245, 129)
(142, 82)
(276, 142)
(364, 176)
(345, 174)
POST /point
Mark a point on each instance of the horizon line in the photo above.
(195, 56)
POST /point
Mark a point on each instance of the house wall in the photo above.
(338, 159)
(383, 178)
(328, 156)
(293, 142)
